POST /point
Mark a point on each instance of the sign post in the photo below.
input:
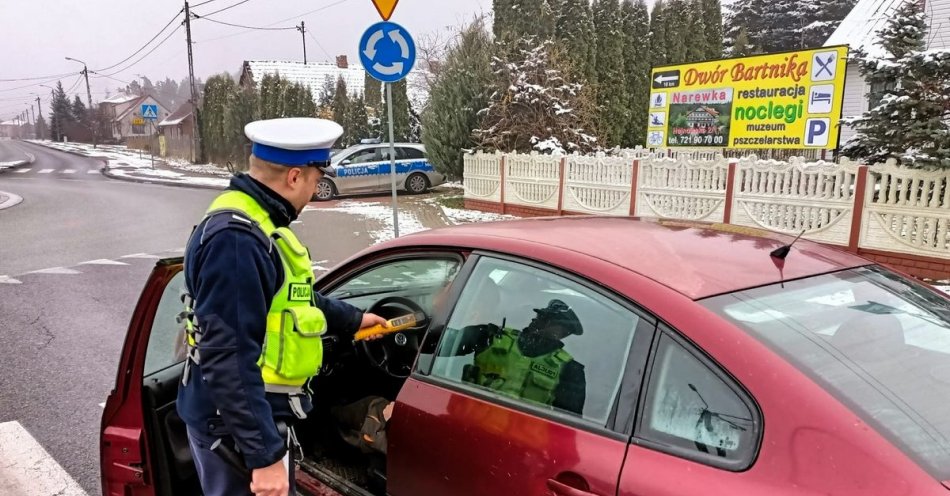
(790, 100)
(150, 113)
(388, 53)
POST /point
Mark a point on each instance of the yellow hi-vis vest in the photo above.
(503, 368)
(293, 349)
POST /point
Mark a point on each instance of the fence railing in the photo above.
(883, 207)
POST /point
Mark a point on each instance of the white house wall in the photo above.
(855, 100)
(938, 17)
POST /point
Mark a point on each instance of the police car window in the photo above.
(411, 153)
(385, 155)
(525, 334)
(166, 343)
(692, 411)
(363, 156)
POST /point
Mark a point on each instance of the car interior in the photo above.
(352, 371)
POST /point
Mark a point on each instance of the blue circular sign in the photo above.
(387, 51)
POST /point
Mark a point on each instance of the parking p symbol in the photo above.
(817, 132)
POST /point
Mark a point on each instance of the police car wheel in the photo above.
(417, 183)
(325, 190)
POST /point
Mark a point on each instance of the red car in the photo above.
(706, 365)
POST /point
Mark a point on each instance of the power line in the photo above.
(133, 64)
(34, 84)
(147, 43)
(222, 10)
(243, 26)
(203, 3)
(232, 35)
(325, 52)
(37, 78)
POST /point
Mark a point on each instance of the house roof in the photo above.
(121, 97)
(859, 29)
(711, 111)
(175, 118)
(314, 75)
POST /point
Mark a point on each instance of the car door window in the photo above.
(363, 156)
(407, 153)
(166, 346)
(426, 280)
(534, 337)
(385, 155)
(695, 412)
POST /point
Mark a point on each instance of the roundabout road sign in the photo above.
(387, 51)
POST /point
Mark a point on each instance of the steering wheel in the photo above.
(395, 353)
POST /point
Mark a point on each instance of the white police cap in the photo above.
(294, 141)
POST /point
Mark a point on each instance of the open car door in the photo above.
(143, 445)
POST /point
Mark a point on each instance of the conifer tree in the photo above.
(575, 35)
(61, 113)
(677, 30)
(340, 100)
(636, 32)
(712, 24)
(611, 84)
(910, 122)
(401, 124)
(695, 35)
(658, 47)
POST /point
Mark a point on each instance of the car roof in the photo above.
(695, 259)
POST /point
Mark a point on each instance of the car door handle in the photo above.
(561, 489)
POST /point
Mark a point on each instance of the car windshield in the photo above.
(878, 342)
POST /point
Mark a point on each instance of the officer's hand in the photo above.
(370, 320)
(270, 481)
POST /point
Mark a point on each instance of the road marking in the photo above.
(103, 261)
(69, 171)
(27, 469)
(102, 405)
(45, 171)
(9, 280)
(140, 255)
(21, 171)
(56, 270)
(92, 171)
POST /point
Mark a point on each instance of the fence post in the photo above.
(857, 212)
(730, 191)
(635, 175)
(560, 191)
(502, 166)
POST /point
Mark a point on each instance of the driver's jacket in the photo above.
(234, 273)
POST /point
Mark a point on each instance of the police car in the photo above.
(365, 168)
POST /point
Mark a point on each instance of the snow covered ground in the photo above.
(139, 165)
(943, 286)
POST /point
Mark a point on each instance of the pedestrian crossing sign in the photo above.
(150, 112)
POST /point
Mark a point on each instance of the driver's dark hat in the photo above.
(558, 312)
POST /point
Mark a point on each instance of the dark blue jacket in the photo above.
(233, 278)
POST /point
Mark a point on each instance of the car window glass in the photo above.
(166, 340)
(422, 279)
(543, 340)
(384, 153)
(363, 156)
(692, 408)
(408, 153)
(875, 340)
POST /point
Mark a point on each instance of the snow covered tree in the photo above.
(355, 123)
(712, 23)
(741, 46)
(695, 35)
(575, 35)
(372, 92)
(911, 121)
(636, 61)
(78, 109)
(460, 91)
(779, 25)
(340, 101)
(611, 85)
(677, 30)
(658, 48)
(402, 129)
(539, 106)
(61, 112)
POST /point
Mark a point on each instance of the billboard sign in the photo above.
(782, 100)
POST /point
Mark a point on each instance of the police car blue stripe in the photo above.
(383, 168)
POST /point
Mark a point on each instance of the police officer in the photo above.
(531, 364)
(253, 322)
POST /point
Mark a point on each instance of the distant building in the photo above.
(15, 129)
(859, 30)
(316, 75)
(124, 112)
(702, 117)
(179, 123)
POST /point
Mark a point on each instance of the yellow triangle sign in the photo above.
(385, 8)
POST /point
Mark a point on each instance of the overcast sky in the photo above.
(39, 34)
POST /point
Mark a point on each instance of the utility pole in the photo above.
(34, 121)
(194, 90)
(39, 110)
(85, 73)
(303, 36)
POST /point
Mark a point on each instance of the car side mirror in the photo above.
(346, 162)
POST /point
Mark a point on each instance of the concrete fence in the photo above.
(885, 212)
